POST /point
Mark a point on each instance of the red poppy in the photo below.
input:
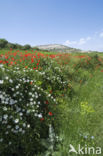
(37, 64)
(42, 119)
(11, 62)
(46, 102)
(50, 91)
(50, 113)
(32, 60)
(31, 83)
(80, 81)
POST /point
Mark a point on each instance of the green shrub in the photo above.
(10, 45)
(3, 43)
(26, 47)
(26, 111)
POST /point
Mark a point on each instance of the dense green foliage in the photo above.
(7, 45)
(3, 43)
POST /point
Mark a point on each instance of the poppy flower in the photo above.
(31, 83)
(46, 102)
(50, 91)
(32, 60)
(42, 119)
(37, 64)
(80, 81)
(50, 113)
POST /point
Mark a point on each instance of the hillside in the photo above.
(58, 48)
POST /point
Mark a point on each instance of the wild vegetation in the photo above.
(49, 101)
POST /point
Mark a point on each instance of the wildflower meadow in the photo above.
(49, 101)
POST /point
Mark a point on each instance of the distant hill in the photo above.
(58, 48)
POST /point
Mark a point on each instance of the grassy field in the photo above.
(74, 84)
(5, 51)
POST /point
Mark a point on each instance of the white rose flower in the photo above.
(11, 81)
(40, 115)
(28, 125)
(16, 120)
(5, 116)
(1, 81)
(17, 127)
(1, 140)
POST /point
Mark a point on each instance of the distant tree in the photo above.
(36, 48)
(26, 47)
(17, 46)
(3, 43)
(10, 45)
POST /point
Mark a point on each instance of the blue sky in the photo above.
(76, 23)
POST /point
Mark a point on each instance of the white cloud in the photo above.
(93, 42)
(80, 42)
(89, 38)
(101, 34)
(68, 42)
